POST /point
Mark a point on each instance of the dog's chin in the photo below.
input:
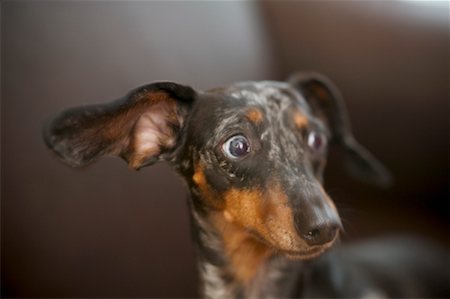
(305, 254)
(308, 253)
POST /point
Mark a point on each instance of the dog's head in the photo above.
(253, 153)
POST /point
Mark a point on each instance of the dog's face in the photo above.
(256, 153)
(253, 153)
(254, 128)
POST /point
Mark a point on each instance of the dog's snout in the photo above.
(317, 222)
(320, 234)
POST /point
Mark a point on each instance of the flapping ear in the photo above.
(326, 103)
(142, 128)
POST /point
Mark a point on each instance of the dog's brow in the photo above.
(255, 115)
(300, 120)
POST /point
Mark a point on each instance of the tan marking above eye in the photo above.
(254, 115)
(300, 120)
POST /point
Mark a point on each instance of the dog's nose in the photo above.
(320, 234)
(316, 219)
(316, 230)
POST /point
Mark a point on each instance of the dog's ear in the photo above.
(326, 103)
(142, 128)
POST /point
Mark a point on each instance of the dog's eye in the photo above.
(317, 141)
(236, 147)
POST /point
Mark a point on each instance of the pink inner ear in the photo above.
(152, 131)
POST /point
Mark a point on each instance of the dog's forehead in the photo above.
(272, 115)
(273, 110)
(264, 103)
(270, 95)
(265, 93)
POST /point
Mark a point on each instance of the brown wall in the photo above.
(108, 231)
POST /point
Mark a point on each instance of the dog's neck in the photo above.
(233, 264)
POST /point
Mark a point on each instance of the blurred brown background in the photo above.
(111, 232)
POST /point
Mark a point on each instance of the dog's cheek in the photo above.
(210, 186)
(217, 180)
(319, 168)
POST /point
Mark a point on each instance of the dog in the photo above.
(253, 155)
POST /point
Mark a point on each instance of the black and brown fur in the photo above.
(262, 224)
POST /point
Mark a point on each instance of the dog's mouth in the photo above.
(309, 253)
(304, 255)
